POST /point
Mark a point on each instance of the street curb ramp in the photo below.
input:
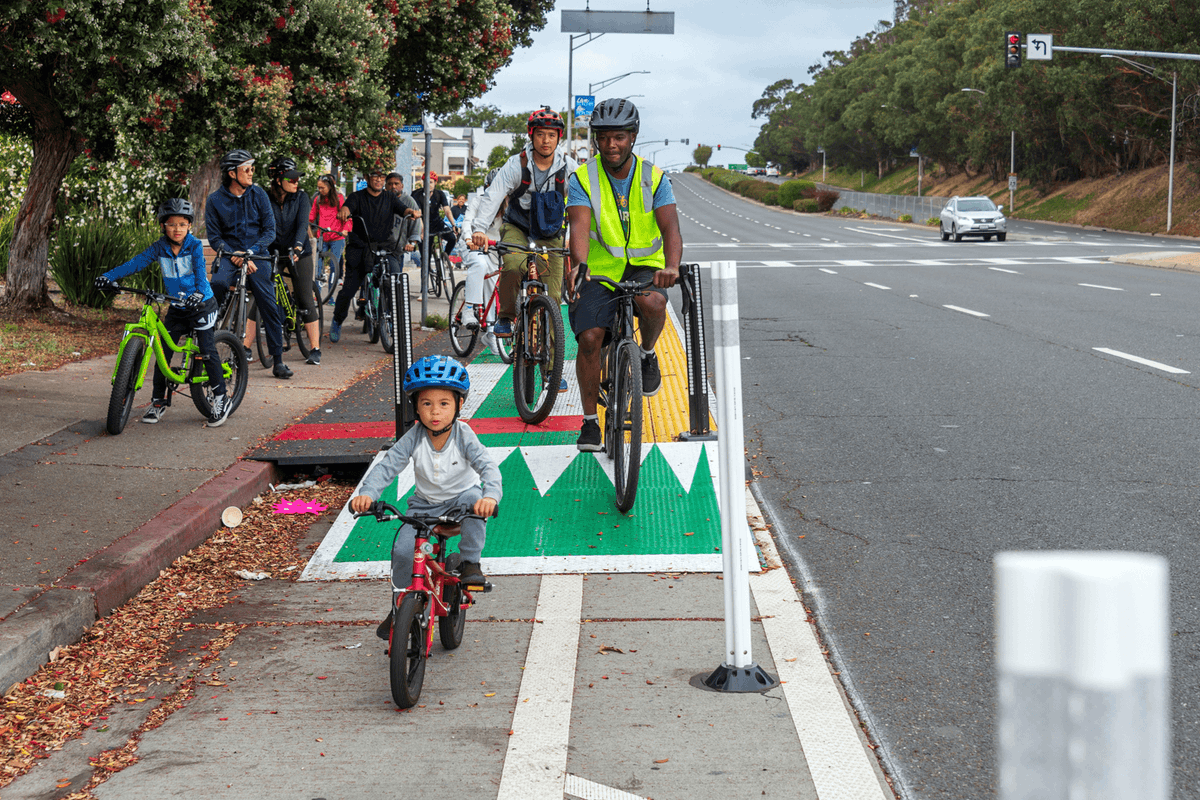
(118, 572)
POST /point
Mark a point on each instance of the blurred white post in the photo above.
(1083, 662)
(738, 672)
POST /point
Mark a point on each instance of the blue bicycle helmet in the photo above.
(437, 372)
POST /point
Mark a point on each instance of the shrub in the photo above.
(8, 222)
(906, 217)
(791, 191)
(805, 204)
(825, 199)
(845, 211)
(92, 243)
(771, 198)
(933, 221)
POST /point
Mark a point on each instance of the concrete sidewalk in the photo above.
(91, 518)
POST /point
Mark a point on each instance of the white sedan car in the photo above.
(973, 216)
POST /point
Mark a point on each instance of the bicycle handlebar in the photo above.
(386, 512)
(537, 250)
(157, 297)
(631, 287)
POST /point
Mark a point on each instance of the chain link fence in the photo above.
(889, 205)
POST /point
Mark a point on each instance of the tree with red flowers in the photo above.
(76, 74)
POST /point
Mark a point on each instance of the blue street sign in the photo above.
(418, 128)
(585, 104)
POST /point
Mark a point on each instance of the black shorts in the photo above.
(596, 306)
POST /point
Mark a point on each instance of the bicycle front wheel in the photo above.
(451, 626)
(462, 337)
(387, 322)
(125, 385)
(235, 367)
(407, 650)
(538, 359)
(624, 423)
(371, 313)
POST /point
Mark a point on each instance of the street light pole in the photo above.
(1171, 166)
(1012, 157)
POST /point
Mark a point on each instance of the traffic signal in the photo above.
(666, 142)
(1012, 49)
(718, 147)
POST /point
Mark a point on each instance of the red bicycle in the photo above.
(435, 592)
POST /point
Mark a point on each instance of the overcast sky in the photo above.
(703, 79)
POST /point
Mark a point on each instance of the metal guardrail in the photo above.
(889, 205)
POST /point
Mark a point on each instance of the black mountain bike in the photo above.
(441, 270)
(537, 344)
(621, 388)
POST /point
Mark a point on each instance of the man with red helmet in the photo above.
(530, 181)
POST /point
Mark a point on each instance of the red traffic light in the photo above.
(1014, 38)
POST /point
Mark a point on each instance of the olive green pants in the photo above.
(513, 269)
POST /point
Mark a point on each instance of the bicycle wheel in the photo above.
(302, 341)
(260, 339)
(437, 269)
(125, 385)
(625, 423)
(407, 650)
(371, 312)
(502, 348)
(537, 359)
(462, 337)
(233, 361)
(387, 322)
(451, 626)
(233, 315)
(447, 274)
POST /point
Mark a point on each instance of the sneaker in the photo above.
(470, 574)
(282, 371)
(249, 354)
(220, 410)
(314, 357)
(154, 413)
(360, 312)
(502, 328)
(384, 631)
(562, 386)
(589, 437)
(332, 301)
(651, 377)
(335, 331)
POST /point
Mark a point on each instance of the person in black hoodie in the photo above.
(292, 206)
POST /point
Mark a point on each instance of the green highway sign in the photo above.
(738, 167)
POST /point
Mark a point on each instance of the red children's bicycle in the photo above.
(435, 592)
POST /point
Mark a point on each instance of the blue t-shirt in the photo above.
(663, 196)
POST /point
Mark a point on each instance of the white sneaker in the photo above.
(154, 413)
(220, 410)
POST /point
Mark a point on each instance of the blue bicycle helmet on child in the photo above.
(437, 372)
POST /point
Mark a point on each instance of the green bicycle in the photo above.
(289, 313)
(148, 337)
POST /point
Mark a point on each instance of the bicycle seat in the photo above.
(446, 531)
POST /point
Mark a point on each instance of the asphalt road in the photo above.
(915, 407)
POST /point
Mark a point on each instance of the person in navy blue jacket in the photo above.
(238, 218)
(180, 256)
(291, 207)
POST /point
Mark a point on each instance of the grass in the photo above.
(1059, 208)
(51, 338)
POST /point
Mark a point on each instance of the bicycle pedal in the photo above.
(485, 587)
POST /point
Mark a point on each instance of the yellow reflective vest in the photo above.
(609, 251)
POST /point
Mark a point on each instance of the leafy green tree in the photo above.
(487, 117)
(702, 154)
(77, 74)
(754, 159)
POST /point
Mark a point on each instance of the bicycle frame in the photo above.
(150, 328)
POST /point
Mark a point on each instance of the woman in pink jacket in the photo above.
(324, 214)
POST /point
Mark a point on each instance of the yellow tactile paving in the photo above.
(665, 415)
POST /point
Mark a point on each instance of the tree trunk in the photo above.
(54, 148)
(205, 181)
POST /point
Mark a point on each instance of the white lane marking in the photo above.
(854, 263)
(1098, 286)
(1009, 271)
(590, 790)
(1001, 260)
(771, 264)
(966, 311)
(828, 271)
(927, 262)
(535, 766)
(878, 286)
(878, 232)
(1147, 362)
(1075, 260)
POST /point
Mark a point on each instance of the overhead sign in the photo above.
(585, 104)
(1039, 47)
(412, 128)
(618, 21)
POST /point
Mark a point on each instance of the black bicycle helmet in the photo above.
(491, 176)
(175, 207)
(234, 159)
(281, 166)
(615, 114)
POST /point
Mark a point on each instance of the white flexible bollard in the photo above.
(1083, 662)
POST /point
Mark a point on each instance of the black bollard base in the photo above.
(752, 678)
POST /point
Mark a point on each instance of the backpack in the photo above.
(547, 210)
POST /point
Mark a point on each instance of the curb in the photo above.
(119, 571)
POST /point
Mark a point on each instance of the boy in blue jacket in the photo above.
(180, 256)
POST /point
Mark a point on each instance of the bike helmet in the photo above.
(280, 168)
(545, 118)
(234, 159)
(491, 176)
(615, 114)
(437, 372)
(175, 207)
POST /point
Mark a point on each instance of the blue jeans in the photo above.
(470, 544)
(263, 288)
(329, 253)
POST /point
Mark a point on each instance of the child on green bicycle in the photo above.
(452, 469)
(180, 256)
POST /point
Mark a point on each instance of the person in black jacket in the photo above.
(292, 207)
(371, 209)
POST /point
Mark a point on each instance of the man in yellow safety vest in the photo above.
(623, 226)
